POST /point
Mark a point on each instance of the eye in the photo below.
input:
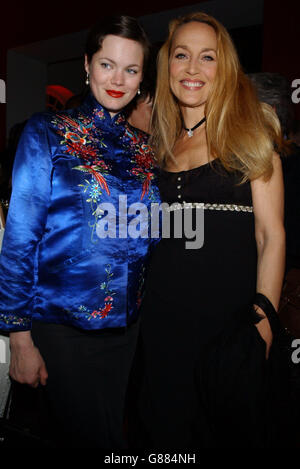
(132, 71)
(208, 58)
(105, 65)
(180, 56)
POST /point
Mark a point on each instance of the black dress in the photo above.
(205, 379)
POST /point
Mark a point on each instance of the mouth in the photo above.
(115, 94)
(192, 85)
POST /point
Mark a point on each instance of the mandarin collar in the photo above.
(100, 114)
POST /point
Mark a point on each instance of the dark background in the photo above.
(269, 46)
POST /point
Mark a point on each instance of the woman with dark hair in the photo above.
(209, 319)
(71, 276)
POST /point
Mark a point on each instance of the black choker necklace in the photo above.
(190, 131)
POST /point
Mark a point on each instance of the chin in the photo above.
(117, 106)
(191, 103)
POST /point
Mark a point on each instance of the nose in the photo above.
(118, 77)
(193, 66)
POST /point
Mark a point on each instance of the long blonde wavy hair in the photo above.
(241, 131)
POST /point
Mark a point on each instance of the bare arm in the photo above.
(26, 364)
(268, 205)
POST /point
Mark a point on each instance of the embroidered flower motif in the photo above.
(14, 320)
(101, 313)
(99, 113)
(109, 298)
(120, 119)
(95, 193)
(143, 160)
(78, 136)
(75, 138)
(83, 141)
(94, 170)
(79, 148)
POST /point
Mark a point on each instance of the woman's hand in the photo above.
(26, 364)
(264, 330)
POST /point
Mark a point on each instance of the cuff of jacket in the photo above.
(10, 322)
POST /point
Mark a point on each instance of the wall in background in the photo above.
(59, 60)
(265, 32)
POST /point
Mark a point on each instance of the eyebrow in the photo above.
(112, 61)
(206, 49)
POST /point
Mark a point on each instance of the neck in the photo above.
(191, 116)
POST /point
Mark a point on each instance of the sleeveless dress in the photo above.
(205, 381)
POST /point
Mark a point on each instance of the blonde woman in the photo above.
(209, 315)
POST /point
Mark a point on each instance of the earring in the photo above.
(138, 91)
(87, 81)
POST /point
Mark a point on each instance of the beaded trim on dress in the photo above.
(208, 206)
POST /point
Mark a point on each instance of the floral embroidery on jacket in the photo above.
(84, 140)
(99, 113)
(79, 139)
(81, 142)
(102, 312)
(14, 320)
(142, 159)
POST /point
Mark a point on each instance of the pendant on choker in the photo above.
(190, 132)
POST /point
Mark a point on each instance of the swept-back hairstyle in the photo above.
(123, 26)
(241, 131)
(120, 25)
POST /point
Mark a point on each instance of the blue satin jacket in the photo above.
(54, 267)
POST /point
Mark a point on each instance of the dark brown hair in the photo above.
(122, 26)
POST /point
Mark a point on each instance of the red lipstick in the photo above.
(115, 94)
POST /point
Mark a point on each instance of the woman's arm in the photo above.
(268, 206)
(26, 364)
(25, 224)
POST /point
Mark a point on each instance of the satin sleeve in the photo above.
(25, 225)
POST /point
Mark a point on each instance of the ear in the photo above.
(86, 64)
